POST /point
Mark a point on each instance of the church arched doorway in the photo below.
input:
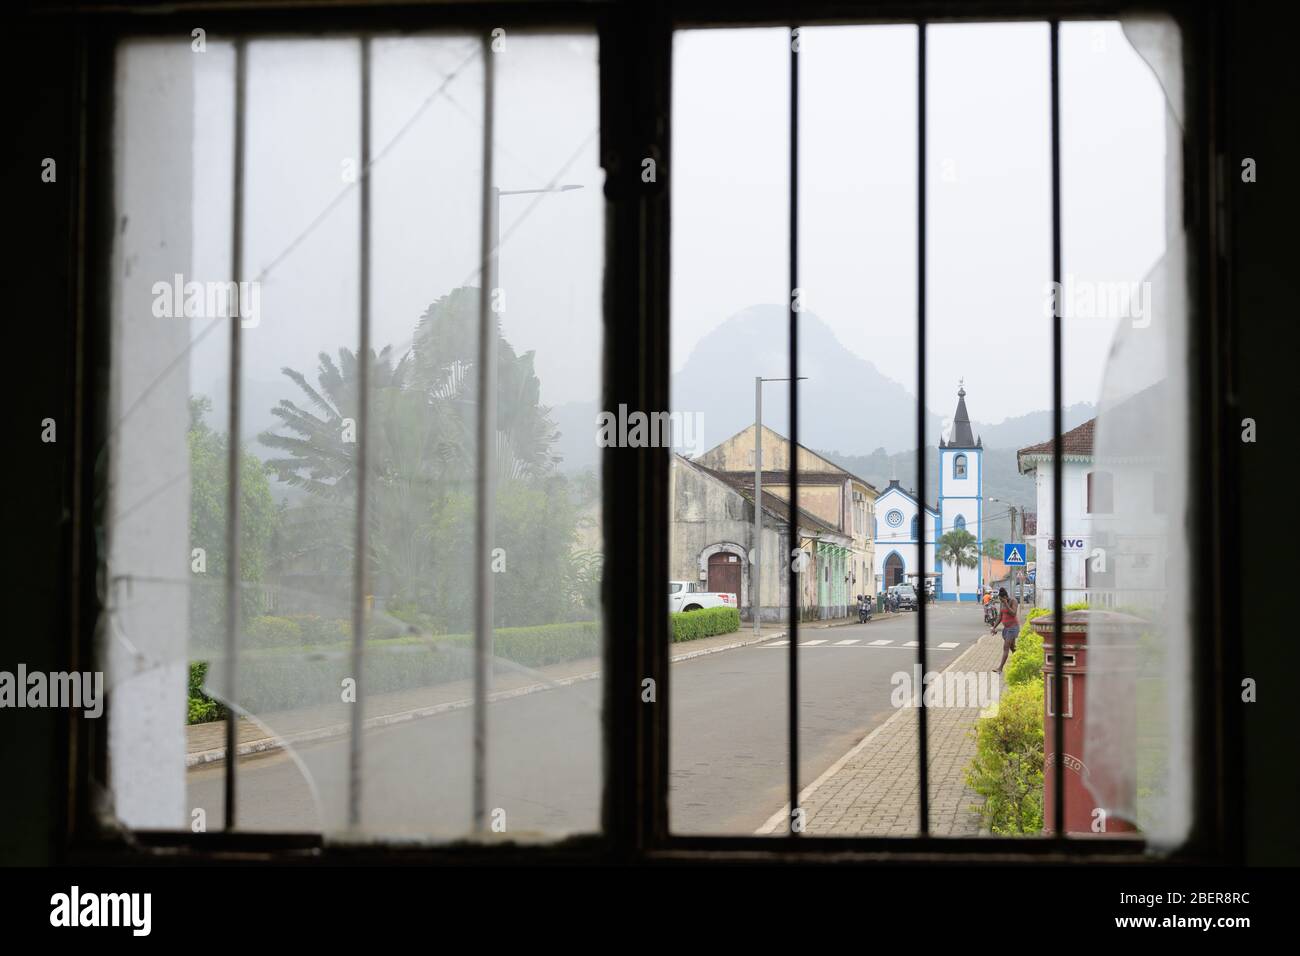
(893, 570)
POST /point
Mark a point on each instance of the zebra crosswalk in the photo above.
(858, 642)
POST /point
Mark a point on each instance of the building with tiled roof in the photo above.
(1113, 506)
(712, 530)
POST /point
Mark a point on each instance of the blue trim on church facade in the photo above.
(978, 499)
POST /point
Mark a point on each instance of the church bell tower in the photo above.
(961, 500)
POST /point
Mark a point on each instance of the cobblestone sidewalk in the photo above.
(873, 790)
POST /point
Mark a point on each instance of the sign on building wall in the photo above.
(1068, 544)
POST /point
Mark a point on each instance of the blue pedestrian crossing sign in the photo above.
(1013, 554)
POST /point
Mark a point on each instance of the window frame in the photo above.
(636, 121)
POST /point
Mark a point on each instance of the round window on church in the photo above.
(894, 518)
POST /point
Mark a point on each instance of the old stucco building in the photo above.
(713, 527)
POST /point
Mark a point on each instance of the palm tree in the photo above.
(960, 549)
(423, 427)
(320, 455)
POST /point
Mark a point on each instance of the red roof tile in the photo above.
(1077, 441)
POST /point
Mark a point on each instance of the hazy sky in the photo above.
(304, 144)
(989, 193)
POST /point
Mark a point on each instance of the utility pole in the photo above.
(756, 568)
(1020, 572)
(1015, 539)
(485, 467)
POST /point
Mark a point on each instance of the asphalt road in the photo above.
(727, 758)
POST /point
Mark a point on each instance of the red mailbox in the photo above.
(1116, 774)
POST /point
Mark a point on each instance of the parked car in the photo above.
(905, 595)
(687, 596)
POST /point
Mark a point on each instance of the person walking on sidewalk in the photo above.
(1010, 622)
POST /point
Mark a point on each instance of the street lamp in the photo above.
(488, 370)
(497, 193)
(485, 489)
(756, 572)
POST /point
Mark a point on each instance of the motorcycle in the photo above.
(864, 609)
(991, 614)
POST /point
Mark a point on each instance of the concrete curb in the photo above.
(783, 815)
(273, 743)
(853, 621)
(689, 655)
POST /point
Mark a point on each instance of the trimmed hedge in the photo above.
(320, 630)
(692, 625)
(1008, 766)
(1026, 662)
(271, 631)
(311, 630)
(283, 677)
(201, 708)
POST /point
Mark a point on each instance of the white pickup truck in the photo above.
(686, 596)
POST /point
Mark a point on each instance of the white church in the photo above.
(905, 527)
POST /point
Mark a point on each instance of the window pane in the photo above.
(989, 379)
(426, 209)
(299, 398)
(544, 768)
(728, 713)
(1124, 311)
(857, 426)
(302, 428)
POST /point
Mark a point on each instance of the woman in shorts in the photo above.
(1010, 621)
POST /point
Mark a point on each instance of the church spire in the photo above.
(961, 435)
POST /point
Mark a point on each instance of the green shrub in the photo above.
(1008, 766)
(692, 625)
(1033, 613)
(270, 631)
(545, 644)
(320, 630)
(198, 671)
(200, 707)
(282, 679)
(1026, 661)
(414, 619)
(380, 626)
(202, 711)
